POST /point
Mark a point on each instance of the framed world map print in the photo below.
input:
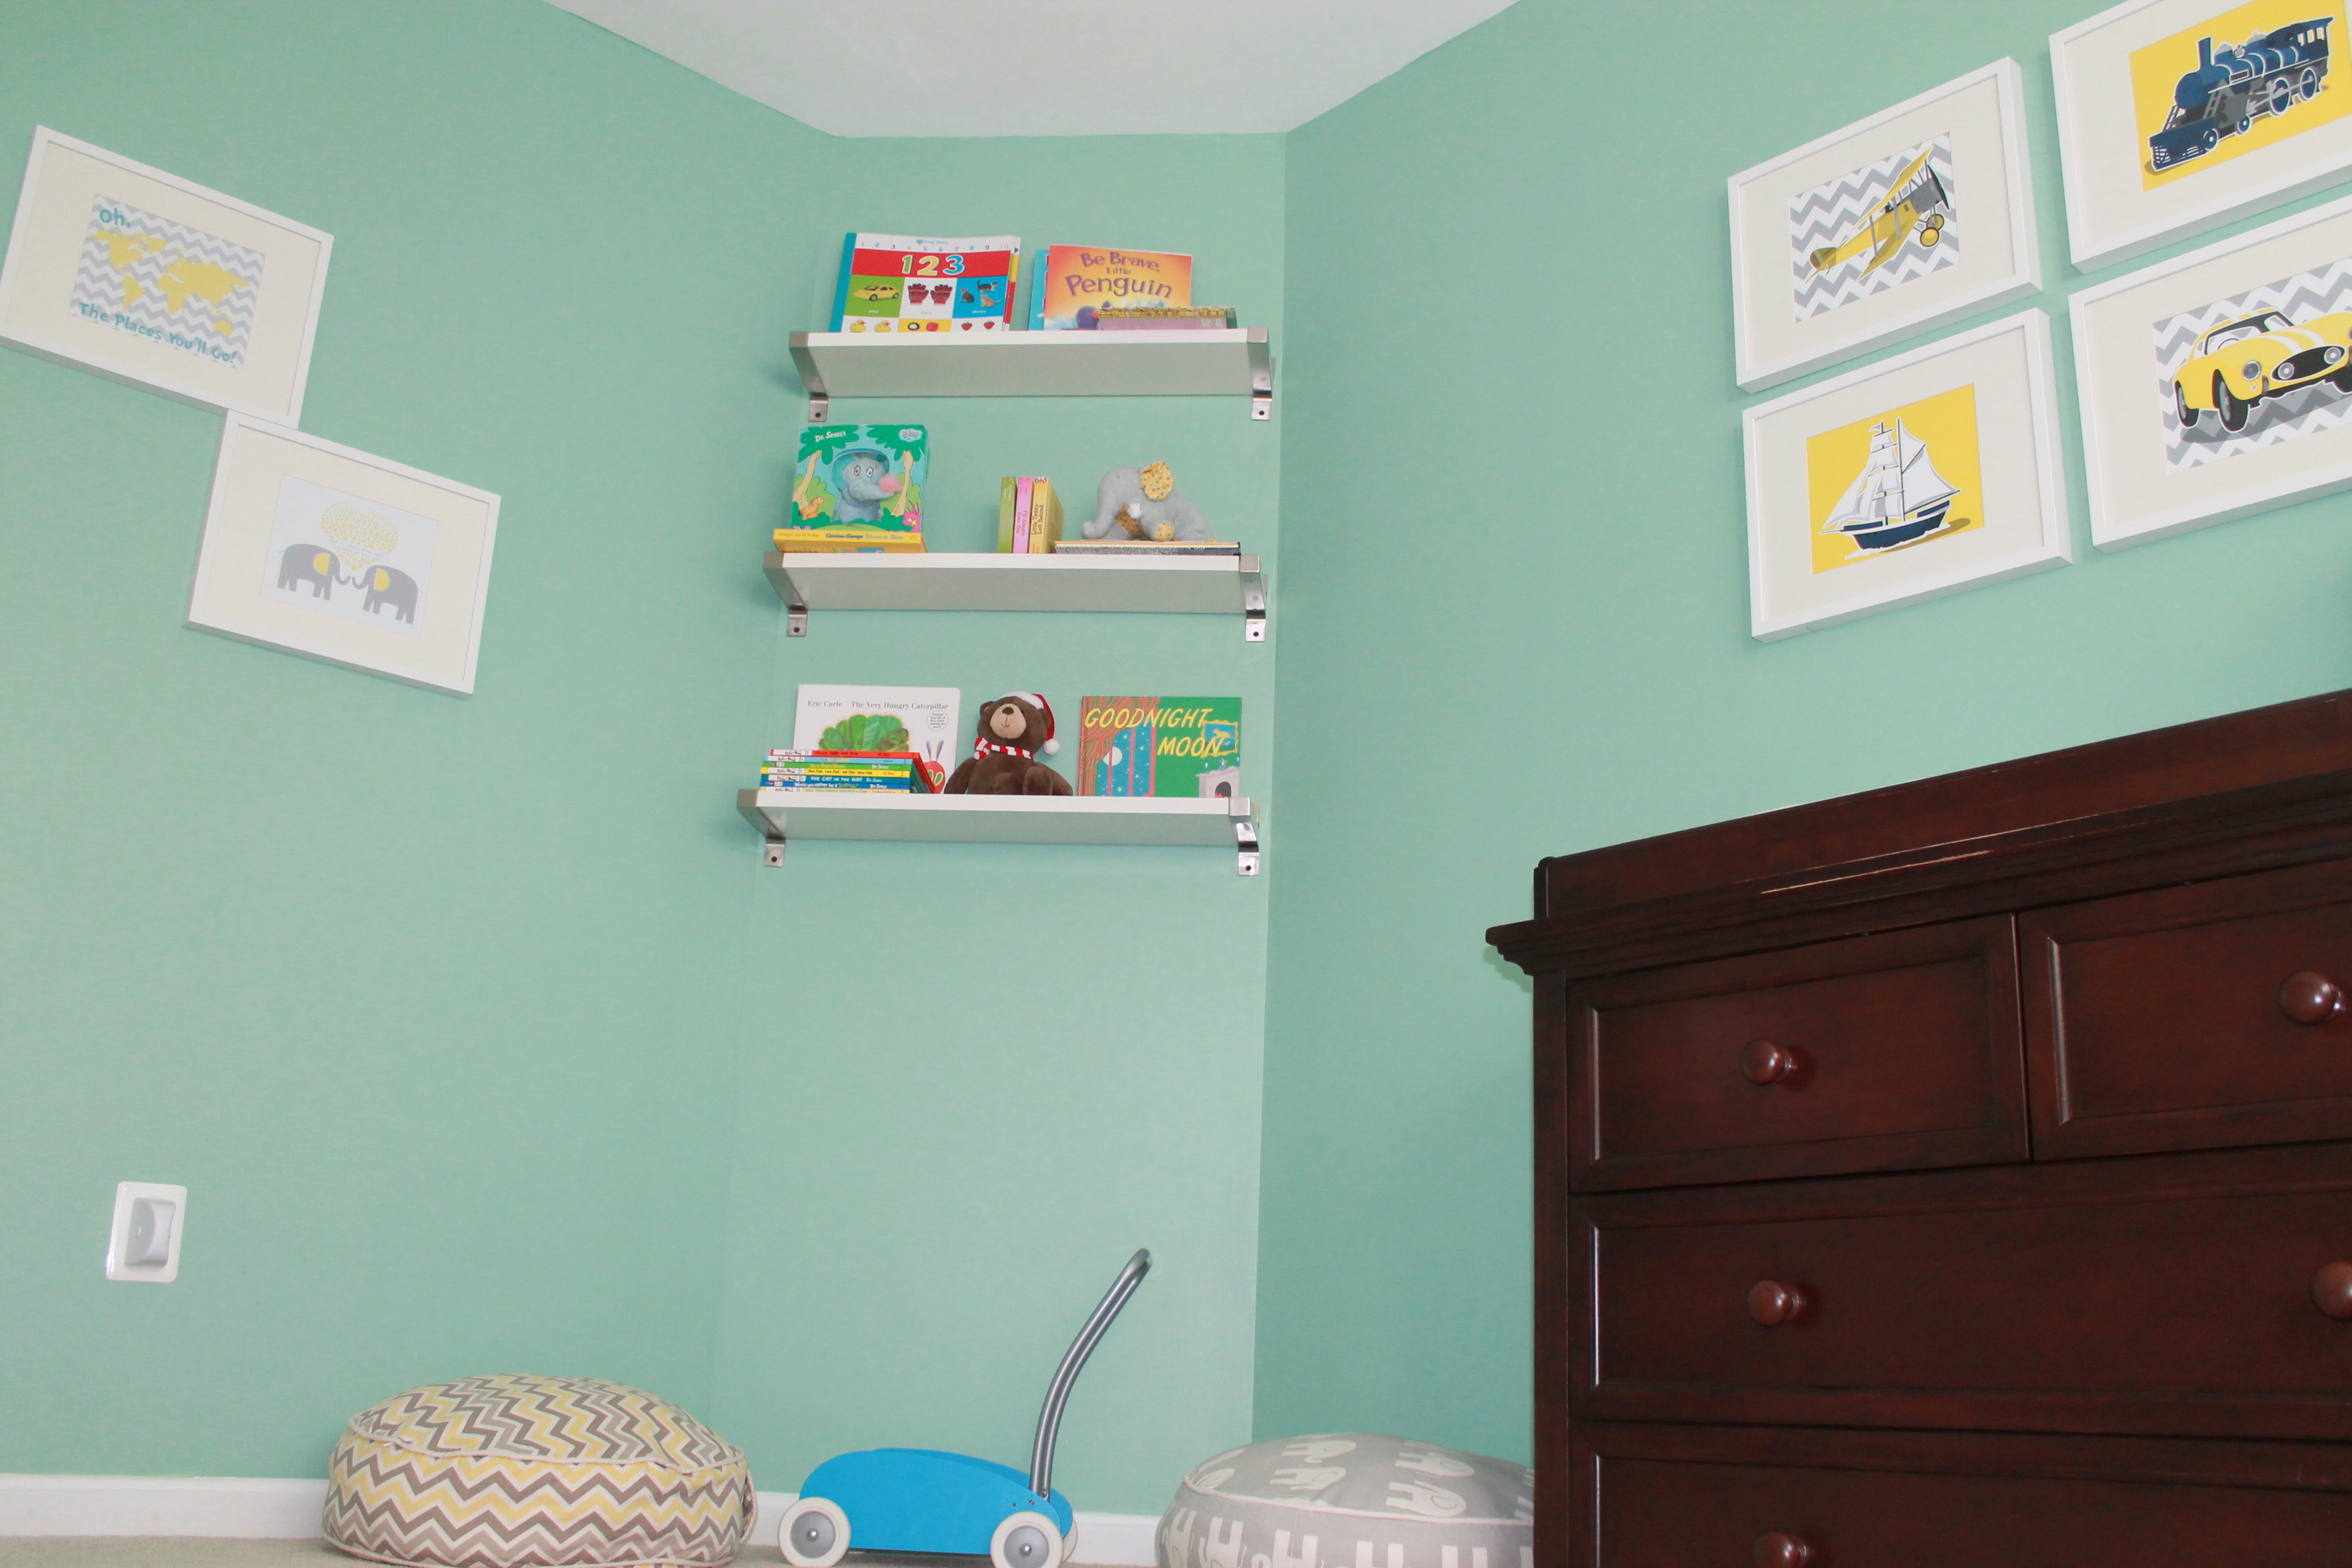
(145, 277)
(353, 559)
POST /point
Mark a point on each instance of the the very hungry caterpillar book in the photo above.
(925, 720)
(1160, 745)
(1075, 280)
(900, 283)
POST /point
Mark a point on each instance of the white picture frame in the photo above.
(1973, 247)
(294, 521)
(158, 283)
(2116, 76)
(1984, 402)
(2139, 337)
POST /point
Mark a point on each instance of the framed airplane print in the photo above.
(353, 559)
(1932, 472)
(1898, 224)
(2219, 383)
(153, 280)
(2178, 116)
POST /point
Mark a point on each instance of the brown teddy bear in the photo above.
(1013, 730)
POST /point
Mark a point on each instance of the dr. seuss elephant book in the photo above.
(1075, 280)
(1160, 745)
(896, 283)
(858, 486)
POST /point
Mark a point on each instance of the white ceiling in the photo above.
(1042, 67)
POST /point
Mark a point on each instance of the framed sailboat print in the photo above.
(2219, 383)
(1922, 476)
(1892, 227)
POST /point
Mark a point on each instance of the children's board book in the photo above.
(897, 283)
(1160, 745)
(858, 486)
(1075, 280)
(925, 720)
(1028, 516)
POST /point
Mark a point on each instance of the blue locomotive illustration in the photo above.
(2270, 73)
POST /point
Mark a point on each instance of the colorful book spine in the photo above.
(1045, 518)
(1022, 491)
(1008, 489)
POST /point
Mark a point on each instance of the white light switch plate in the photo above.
(129, 1213)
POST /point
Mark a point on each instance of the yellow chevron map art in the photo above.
(520, 1472)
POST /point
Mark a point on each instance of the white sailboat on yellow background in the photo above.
(1898, 497)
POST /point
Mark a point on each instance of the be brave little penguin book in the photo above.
(1074, 281)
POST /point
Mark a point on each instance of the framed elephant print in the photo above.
(158, 283)
(340, 556)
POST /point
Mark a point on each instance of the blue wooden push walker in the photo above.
(919, 1500)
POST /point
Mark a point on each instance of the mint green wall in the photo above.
(977, 1077)
(473, 1025)
(1530, 225)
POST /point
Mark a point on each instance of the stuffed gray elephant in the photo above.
(1143, 503)
(864, 477)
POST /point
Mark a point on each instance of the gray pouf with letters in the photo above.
(1351, 1500)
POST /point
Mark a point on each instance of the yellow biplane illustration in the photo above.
(1915, 203)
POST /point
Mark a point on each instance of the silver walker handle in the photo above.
(1049, 1419)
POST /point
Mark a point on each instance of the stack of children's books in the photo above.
(1028, 516)
(1147, 547)
(902, 772)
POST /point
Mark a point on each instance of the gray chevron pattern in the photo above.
(1829, 215)
(2317, 407)
(167, 282)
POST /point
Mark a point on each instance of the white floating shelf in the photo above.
(785, 814)
(1231, 362)
(1152, 584)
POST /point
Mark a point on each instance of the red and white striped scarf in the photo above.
(983, 746)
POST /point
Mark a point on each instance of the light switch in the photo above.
(150, 1231)
(150, 1218)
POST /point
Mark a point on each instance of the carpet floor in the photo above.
(188, 1551)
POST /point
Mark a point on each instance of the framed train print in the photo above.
(1930, 473)
(2178, 116)
(353, 559)
(2219, 383)
(1898, 224)
(153, 280)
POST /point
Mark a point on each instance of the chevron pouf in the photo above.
(536, 1472)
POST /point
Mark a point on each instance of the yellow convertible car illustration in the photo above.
(2241, 362)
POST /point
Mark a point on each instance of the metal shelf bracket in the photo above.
(820, 401)
(1245, 838)
(796, 615)
(1252, 600)
(772, 853)
(1261, 376)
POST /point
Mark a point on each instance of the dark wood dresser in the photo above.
(1959, 1174)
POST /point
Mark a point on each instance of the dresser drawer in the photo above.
(2178, 1295)
(1888, 1052)
(1681, 1498)
(2194, 1017)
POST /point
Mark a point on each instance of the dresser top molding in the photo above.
(2247, 792)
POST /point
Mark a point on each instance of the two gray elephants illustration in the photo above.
(315, 567)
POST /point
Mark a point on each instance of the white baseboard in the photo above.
(247, 1508)
(231, 1506)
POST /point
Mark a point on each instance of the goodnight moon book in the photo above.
(1160, 746)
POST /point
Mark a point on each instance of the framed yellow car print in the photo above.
(2219, 383)
(1888, 227)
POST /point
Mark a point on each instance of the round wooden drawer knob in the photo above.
(1772, 1303)
(2309, 998)
(2331, 1290)
(1775, 1550)
(1764, 1062)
